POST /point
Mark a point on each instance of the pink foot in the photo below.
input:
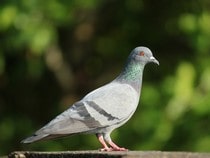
(113, 147)
(120, 149)
(116, 148)
(106, 149)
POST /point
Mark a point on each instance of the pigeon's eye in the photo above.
(141, 53)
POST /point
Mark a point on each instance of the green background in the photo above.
(53, 52)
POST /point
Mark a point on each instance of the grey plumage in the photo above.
(104, 109)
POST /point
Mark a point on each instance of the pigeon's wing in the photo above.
(113, 103)
(74, 120)
(101, 108)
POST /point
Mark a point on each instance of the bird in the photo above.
(105, 108)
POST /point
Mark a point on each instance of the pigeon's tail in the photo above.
(34, 138)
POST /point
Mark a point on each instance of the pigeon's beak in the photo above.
(152, 59)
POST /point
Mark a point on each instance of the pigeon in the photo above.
(104, 109)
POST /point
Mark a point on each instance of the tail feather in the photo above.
(34, 138)
(40, 137)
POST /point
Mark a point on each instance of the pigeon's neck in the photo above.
(132, 74)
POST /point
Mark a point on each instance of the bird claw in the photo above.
(106, 149)
(119, 149)
(113, 146)
(113, 149)
(122, 149)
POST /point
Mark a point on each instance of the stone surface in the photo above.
(98, 154)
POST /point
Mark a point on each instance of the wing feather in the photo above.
(103, 107)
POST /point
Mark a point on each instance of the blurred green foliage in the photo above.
(53, 52)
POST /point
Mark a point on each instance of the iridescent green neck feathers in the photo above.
(132, 74)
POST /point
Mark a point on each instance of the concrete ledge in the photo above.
(98, 154)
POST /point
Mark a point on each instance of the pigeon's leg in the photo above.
(112, 144)
(101, 140)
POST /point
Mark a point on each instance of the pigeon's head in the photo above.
(143, 55)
